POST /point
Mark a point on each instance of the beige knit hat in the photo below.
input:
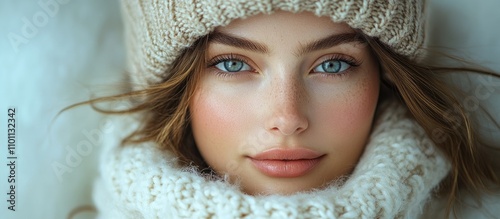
(158, 30)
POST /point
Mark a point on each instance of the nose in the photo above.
(287, 104)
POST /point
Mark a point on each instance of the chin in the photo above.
(284, 186)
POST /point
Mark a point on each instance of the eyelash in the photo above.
(334, 57)
(353, 63)
(223, 58)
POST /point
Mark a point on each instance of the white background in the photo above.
(76, 51)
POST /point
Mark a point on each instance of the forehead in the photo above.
(286, 27)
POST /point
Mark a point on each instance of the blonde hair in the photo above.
(418, 86)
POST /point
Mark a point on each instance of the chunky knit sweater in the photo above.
(394, 178)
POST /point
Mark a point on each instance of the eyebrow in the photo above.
(330, 41)
(243, 43)
(324, 43)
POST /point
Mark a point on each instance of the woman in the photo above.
(285, 109)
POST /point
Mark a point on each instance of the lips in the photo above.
(286, 163)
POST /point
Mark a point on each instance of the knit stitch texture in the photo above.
(158, 30)
(394, 179)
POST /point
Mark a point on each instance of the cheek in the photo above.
(217, 122)
(349, 114)
(211, 116)
(360, 105)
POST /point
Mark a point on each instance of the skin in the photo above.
(282, 99)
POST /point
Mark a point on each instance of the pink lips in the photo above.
(286, 163)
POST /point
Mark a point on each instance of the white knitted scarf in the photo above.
(394, 178)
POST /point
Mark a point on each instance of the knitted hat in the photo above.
(158, 30)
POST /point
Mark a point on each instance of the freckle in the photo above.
(359, 94)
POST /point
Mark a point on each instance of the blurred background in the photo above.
(54, 53)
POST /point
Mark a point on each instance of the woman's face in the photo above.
(285, 103)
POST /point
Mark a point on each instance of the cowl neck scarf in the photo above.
(395, 177)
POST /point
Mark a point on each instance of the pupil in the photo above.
(233, 65)
(331, 66)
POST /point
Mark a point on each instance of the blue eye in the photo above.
(332, 66)
(232, 65)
